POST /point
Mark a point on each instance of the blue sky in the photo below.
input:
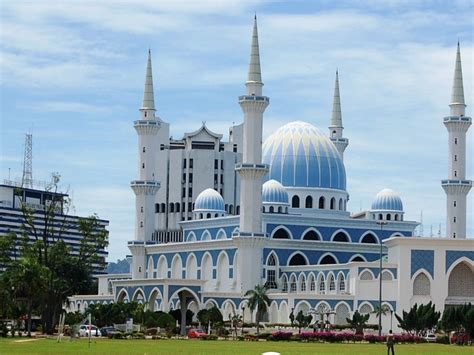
(72, 73)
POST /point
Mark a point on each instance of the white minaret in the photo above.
(251, 170)
(146, 187)
(457, 186)
(336, 128)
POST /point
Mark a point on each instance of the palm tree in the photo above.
(258, 300)
(358, 322)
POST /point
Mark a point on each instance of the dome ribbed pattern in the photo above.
(300, 155)
(387, 200)
(274, 192)
(209, 200)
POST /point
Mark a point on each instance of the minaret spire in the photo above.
(336, 128)
(457, 186)
(148, 97)
(336, 119)
(457, 98)
(254, 79)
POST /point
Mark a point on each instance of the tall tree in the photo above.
(68, 273)
(258, 300)
(419, 319)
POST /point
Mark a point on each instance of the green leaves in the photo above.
(258, 299)
(419, 319)
(459, 318)
(358, 321)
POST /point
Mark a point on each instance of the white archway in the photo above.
(176, 267)
(191, 267)
(162, 269)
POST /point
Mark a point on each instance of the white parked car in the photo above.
(85, 329)
(430, 338)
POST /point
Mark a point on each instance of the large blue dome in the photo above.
(299, 155)
(387, 200)
(209, 200)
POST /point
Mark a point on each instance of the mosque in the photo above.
(276, 214)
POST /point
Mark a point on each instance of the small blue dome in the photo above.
(387, 200)
(209, 200)
(274, 192)
(300, 155)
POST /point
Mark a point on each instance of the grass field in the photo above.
(106, 346)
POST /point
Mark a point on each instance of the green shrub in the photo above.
(209, 337)
(442, 339)
(118, 335)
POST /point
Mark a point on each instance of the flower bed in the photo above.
(333, 337)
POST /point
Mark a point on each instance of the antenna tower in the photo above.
(27, 179)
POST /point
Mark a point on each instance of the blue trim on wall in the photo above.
(422, 259)
(453, 255)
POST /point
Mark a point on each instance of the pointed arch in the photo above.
(321, 284)
(295, 201)
(331, 282)
(176, 267)
(302, 283)
(191, 267)
(150, 270)
(297, 258)
(311, 282)
(387, 275)
(311, 234)
(341, 236)
(123, 296)
(273, 312)
(284, 283)
(138, 296)
(284, 312)
(162, 268)
(206, 267)
(309, 202)
(421, 284)
(322, 203)
(221, 234)
(281, 232)
(461, 279)
(342, 310)
(293, 283)
(366, 275)
(223, 270)
(369, 237)
(328, 258)
(365, 308)
(191, 237)
(155, 300)
(206, 235)
(357, 258)
(341, 283)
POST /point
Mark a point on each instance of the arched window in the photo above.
(177, 207)
(281, 234)
(293, 283)
(396, 217)
(380, 216)
(366, 275)
(332, 283)
(271, 272)
(272, 209)
(295, 202)
(297, 259)
(163, 208)
(389, 216)
(322, 285)
(171, 207)
(341, 237)
(302, 283)
(200, 216)
(333, 203)
(279, 209)
(322, 202)
(309, 202)
(231, 209)
(237, 210)
(358, 259)
(208, 215)
(341, 205)
(311, 235)
(461, 281)
(369, 239)
(328, 259)
(312, 283)
(421, 285)
(284, 286)
(342, 283)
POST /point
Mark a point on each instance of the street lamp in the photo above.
(381, 224)
(391, 318)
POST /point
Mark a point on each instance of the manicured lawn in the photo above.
(179, 347)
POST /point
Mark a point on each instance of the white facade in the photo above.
(293, 234)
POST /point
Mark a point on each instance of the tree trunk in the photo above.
(30, 308)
